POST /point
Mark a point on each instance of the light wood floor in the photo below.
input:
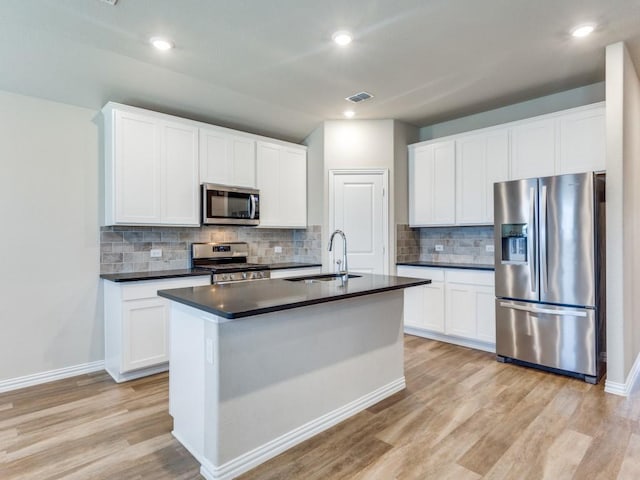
(462, 416)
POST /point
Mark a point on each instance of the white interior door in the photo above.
(359, 208)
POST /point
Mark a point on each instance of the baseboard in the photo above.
(50, 376)
(269, 450)
(624, 389)
(143, 372)
(463, 342)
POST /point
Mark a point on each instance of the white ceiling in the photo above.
(269, 66)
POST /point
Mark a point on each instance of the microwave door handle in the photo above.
(252, 199)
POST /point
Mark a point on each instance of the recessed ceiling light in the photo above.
(161, 43)
(342, 38)
(349, 113)
(583, 30)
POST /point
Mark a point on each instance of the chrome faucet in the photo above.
(343, 268)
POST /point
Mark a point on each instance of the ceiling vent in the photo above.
(110, 2)
(359, 97)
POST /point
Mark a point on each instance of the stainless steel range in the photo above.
(227, 262)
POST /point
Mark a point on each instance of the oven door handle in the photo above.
(252, 213)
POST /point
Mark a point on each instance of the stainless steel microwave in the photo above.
(226, 205)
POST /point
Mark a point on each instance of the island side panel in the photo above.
(277, 372)
(187, 377)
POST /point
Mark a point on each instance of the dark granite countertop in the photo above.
(156, 275)
(283, 265)
(243, 299)
(190, 272)
(465, 266)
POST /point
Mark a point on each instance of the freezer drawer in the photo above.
(557, 337)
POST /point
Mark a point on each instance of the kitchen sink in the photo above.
(327, 277)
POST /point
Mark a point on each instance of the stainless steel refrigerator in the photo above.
(550, 273)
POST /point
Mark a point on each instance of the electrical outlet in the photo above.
(155, 253)
(489, 248)
(439, 248)
(277, 249)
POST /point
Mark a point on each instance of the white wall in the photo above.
(315, 176)
(359, 144)
(353, 144)
(623, 210)
(403, 135)
(50, 315)
(518, 111)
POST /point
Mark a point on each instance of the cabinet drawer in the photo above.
(471, 277)
(149, 288)
(435, 274)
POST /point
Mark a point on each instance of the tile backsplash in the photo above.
(460, 244)
(127, 249)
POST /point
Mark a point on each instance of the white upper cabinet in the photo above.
(180, 193)
(227, 159)
(432, 184)
(581, 141)
(151, 169)
(155, 163)
(282, 181)
(481, 160)
(570, 141)
(533, 146)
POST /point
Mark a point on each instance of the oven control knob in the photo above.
(244, 275)
(259, 275)
(225, 278)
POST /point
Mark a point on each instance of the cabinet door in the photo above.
(497, 167)
(581, 141)
(533, 149)
(137, 169)
(292, 188)
(434, 307)
(414, 301)
(268, 161)
(481, 160)
(460, 310)
(420, 186)
(282, 181)
(486, 314)
(227, 159)
(180, 192)
(424, 305)
(214, 164)
(145, 333)
(242, 152)
(444, 174)
(471, 189)
(432, 184)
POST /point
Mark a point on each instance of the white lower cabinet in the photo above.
(457, 307)
(295, 272)
(137, 325)
(424, 305)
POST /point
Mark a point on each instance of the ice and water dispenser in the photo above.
(514, 243)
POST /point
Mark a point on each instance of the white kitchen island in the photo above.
(260, 366)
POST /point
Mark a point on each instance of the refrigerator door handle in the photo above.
(543, 240)
(533, 274)
(549, 311)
